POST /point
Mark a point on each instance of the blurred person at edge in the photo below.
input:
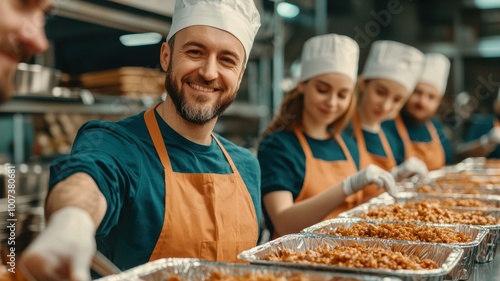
(483, 137)
(418, 133)
(308, 171)
(389, 76)
(161, 183)
(22, 35)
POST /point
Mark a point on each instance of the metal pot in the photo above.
(35, 79)
(31, 182)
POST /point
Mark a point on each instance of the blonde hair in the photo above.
(290, 114)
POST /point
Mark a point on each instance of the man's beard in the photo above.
(198, 115)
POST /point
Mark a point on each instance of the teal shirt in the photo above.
(374, 143)
(482, 125)
(283, 162)
(121, 158)
(417, 133)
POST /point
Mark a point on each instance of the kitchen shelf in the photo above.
(83, 102)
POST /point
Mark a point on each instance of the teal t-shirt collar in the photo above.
(171, 136)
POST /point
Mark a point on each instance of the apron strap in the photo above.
(405, 137)
(342, 145)
(364, 155)
(385, 145)
(303, 142)
(154, 131)
(226, 154)
(432, 131)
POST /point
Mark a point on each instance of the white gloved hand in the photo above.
(64, 250)
(491, 138)
(410, 167)
(371, 174)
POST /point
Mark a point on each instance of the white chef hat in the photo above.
(238, 17)
(329, 53)
(395, 61)
(436, 71)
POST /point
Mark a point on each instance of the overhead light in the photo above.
(287, 10)
(488, 47)
(140, 39)
(487, 4)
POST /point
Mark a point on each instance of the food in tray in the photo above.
(406, 232)
(219, 276)
(492, 163)
(464, 179)
(427, 189)
(354, 256)
(429, 213)
(450, 202)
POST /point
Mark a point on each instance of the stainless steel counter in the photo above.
(486, 271)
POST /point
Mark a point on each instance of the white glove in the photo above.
(410, 167)
(371, 174)
(491, 138)
(64, 250)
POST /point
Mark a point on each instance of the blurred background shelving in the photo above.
(85, 38)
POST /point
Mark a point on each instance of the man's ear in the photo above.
(165, 55)
(240, 77)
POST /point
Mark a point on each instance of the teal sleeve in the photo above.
(97, 151)
(445, 142)
(282, 163)
(479, 127)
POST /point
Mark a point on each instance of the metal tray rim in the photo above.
(455, 255)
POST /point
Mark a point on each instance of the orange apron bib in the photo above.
(431, 153)
(207, 216)
(320, 174)
(366, 158)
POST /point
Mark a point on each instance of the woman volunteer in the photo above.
(389, 76)
(307, 168)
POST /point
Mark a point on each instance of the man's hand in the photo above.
(64, 250)
(410, 167)
(492, 138)
(371, 174)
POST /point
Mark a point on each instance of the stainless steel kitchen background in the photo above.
(85, 38)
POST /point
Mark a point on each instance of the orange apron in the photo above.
(207, 216)
(321, 174)
(496, 123)
(431, 153)
(366, 158)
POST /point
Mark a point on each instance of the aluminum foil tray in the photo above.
(493, 200)
(413, 188)
(476, 174)
(462, 270)
(487, 249)
(446, 257)
(198, 270)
